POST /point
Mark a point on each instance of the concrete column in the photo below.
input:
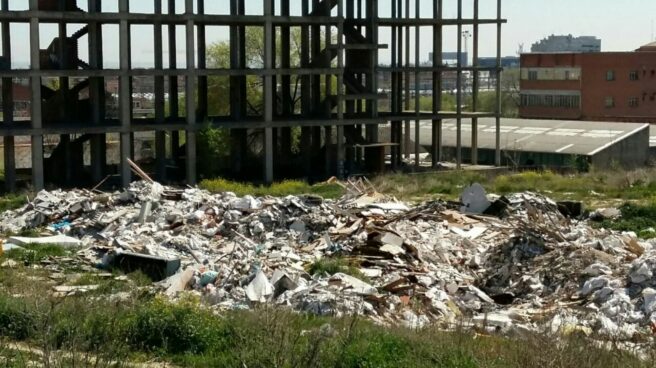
(328, 143)
(475, 82)
(38, 181)
(406, 75)
(285, 62)
(459, 91)
(417, 100)
(497, 158)
(160, 136)
(395, 93)
(436, 136)
(8, 108)
(174, 112)
(125, 104)
(202, 64)
(98, 143)
(238, 137)
(372, 80)
(269, 33)
(190, 89)
(306, 93)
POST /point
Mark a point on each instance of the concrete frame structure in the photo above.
(339, 41)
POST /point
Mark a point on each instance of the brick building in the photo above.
(607, 86)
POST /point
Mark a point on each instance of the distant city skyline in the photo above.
(616, 22)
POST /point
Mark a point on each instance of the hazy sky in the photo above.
(621, 24)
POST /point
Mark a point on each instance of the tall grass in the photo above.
(624, 185)
(191, 336)
(280, 189)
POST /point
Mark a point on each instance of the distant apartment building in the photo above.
(609, 86)
(567, 43)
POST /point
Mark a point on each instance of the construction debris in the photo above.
(514, 263)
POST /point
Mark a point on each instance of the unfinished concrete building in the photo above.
(317, 93)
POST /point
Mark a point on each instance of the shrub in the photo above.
(17, 320)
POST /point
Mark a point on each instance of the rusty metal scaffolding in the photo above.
(338, 71)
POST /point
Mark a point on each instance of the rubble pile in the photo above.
(513, 263)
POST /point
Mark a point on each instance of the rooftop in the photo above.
(546, 136)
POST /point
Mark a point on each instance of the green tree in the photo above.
(218, 56)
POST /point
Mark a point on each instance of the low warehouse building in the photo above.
(549, 143)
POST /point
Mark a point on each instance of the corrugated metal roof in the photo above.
(547, 136)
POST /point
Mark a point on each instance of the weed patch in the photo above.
(12, 202)
(281, 189)
(34, 254)
(335, 265)
(640, 219)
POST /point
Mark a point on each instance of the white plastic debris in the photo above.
(259, 289)
(474, 199)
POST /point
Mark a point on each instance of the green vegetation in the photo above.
(486, 102)
(335, 265)
(640, 219)
(284, 188)
(213, 147)
(12, 202)
(189, 335)
(592, 188)
(34, 254)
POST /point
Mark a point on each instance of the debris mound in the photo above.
(515, 263)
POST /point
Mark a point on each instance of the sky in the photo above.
(622, 25)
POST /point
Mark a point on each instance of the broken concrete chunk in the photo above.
(640, 272)
(352, 284)
(246, 203)
(298, 226)
(593, 284)
(597, 269)
(649, 301)
(497, 320)
(59, 240)
(605, 214)
(392, 249)
(392, 239)
(145, 211)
